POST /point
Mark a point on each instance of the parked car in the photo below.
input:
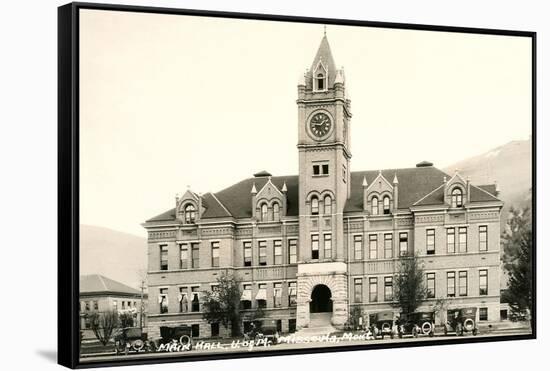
(262, 329)
(130, 339)
(269, 333)
(180, 334)
(460, 321)
(382, 324)
(417, 323)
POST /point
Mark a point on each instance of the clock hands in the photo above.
(320, 125)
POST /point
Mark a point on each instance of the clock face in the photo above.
(320, 124)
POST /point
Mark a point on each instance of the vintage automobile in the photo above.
(417, 323)
(460, 321)
(131, 339)
(262, 329)
(269, 333)
(382, 324)
(181, 335)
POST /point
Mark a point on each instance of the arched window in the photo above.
(374, 206)
(190, 213)
(263, 212)
(320, 81)
(386, 201)
(328, 205)
(456, 198)
(314, 206)
(276, 212)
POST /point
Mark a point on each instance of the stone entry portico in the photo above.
(332, 275)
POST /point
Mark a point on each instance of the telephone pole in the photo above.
(141, 306)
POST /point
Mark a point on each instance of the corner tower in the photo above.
(324, 186)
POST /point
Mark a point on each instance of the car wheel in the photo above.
(185, 340)
(121, 348)
(426, 328)
(469, 324)
(138, 345)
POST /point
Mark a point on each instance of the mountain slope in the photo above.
(116, 255)
(509, 165)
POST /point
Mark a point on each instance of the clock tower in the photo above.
(324, 187)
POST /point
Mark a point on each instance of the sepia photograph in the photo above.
(271, 186)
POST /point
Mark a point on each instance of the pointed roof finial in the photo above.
(395, 179)
(302, 79)
(253, 191)
(339, 77)
(365, 181)
(284, 189)
(325, 31)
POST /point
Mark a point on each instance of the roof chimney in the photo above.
(424, 164)
(262, 174)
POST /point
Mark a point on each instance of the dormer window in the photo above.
(320, 82)
(190, 213)
(314, 206)
(456, 198)
(374, 206)
(386, 202)
(263, 210)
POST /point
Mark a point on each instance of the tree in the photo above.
(409, 284)
(440, 308)
(103, 325)
(355, 320)
(517, 242)
(126, 319)
(222, 304)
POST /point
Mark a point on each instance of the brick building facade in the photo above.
(327, 239)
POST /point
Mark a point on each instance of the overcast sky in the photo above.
(169, 101)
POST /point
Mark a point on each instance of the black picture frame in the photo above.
(68, 179)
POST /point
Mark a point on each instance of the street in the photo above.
(212, 348)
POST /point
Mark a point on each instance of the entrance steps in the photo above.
(319, 324)
(320, 319)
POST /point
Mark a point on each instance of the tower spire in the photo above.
(323, 63)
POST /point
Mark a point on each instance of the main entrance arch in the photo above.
(321, 299)
(322, 295)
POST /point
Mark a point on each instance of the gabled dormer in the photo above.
(457, 191)
(378, 196)
(269, 203)
(189, 207)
